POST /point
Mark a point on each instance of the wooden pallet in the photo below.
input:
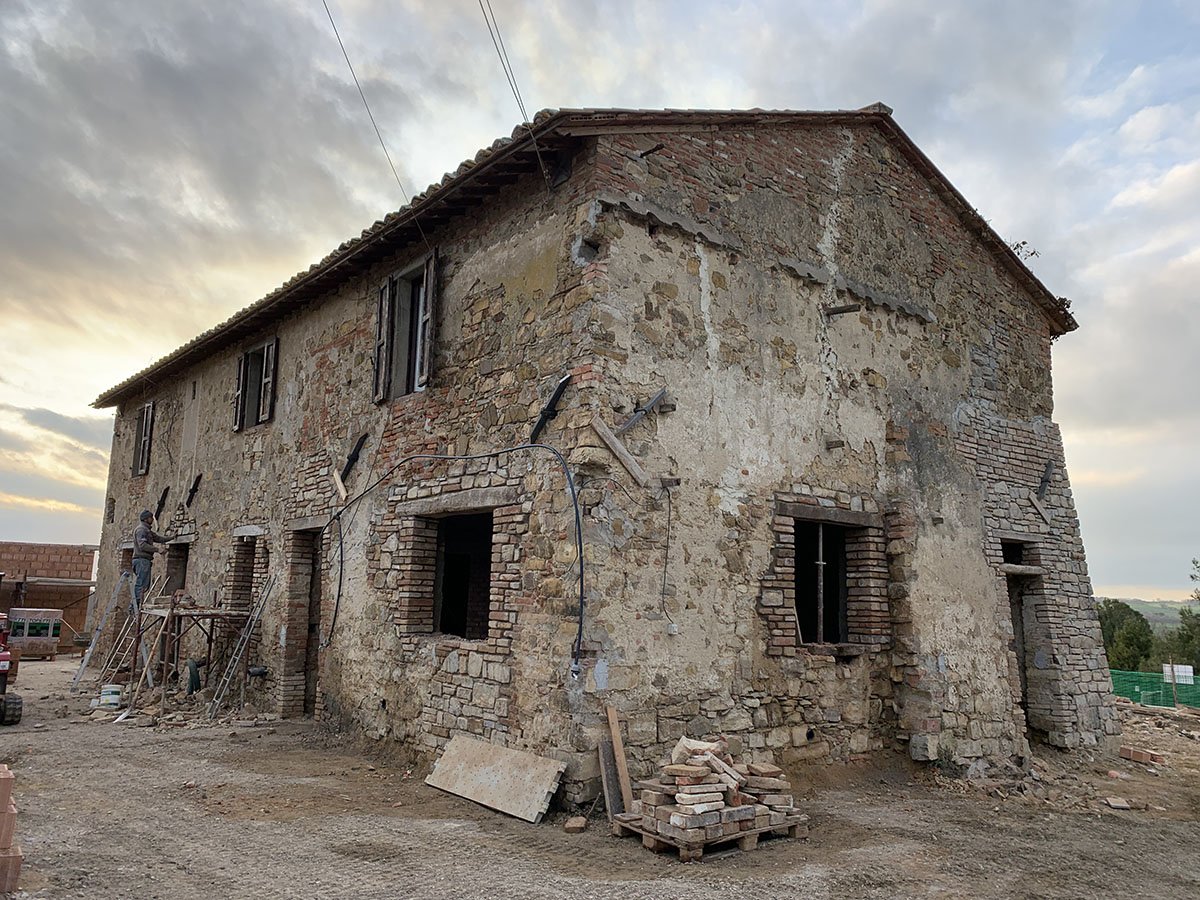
(626, 824)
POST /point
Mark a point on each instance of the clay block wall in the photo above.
(20, 560)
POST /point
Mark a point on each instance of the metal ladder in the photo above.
(99, 629)
(123, 645)
(240, 649)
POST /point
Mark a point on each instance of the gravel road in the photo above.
(286, 810)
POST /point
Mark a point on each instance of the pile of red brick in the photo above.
(10, 856)
(707, 797)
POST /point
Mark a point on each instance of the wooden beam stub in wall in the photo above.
(618, 450)
(1041, 510)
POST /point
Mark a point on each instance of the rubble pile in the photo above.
(704, 796)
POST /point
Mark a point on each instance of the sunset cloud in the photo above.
(166, 164)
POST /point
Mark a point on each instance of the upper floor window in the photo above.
(405, 316)
(254, 394)
(142, 437)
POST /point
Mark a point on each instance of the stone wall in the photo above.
(720, 251)
(511, 321)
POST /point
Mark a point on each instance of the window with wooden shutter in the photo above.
(257, 378)
(383, 342)
(142, 440)
(404, 323)
(427, 317)
(266, 393)
(239, 395)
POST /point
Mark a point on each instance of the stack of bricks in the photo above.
(10, 856)
(708, 798)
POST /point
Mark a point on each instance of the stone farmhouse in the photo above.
(791, 386)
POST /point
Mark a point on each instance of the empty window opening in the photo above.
(254, 393)
(821, 582)
(177, 563)
(464, 575)
(142, 439)
(1013, 553)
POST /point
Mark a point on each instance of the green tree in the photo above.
(1127, 636)
(1180, 645)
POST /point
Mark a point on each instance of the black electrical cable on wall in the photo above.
(438, 457)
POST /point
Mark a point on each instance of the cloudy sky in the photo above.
(164, 164)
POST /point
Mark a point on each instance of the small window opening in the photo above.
(1013, 552)
(464, 575)
(821, 582)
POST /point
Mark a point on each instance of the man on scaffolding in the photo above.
(145, 544)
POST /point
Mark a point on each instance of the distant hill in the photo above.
(1161, 614)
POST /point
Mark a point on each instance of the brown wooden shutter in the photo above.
(137, 443)
(266, 395)
(145, 433)
(383, 341)
(428, 318)
(135, 466)
(239, 394)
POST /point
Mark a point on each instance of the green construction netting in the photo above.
(1152, 689)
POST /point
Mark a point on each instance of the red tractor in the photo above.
(10, 704)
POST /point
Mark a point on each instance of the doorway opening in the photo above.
(308, 548)
(1022, 588)
(464, 575)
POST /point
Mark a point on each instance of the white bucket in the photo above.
(110, 696)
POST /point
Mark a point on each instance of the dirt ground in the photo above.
(269, 809)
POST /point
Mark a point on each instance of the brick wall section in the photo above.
(412, 578)
(471, 685)
(868, 615)
(299, 550)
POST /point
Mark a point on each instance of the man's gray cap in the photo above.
(146, 515)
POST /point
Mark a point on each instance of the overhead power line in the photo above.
(374, 124)
(493, 26)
